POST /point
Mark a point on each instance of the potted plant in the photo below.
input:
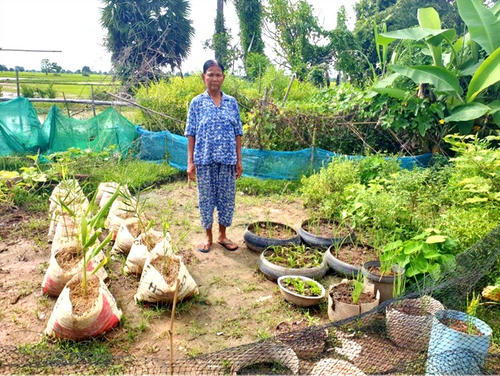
(458, 343)
(323, 232)
(351, 298)
(280, 260)
(260, 235)
(348, 258)
(409, 321)
(383, 277)
(301, 291)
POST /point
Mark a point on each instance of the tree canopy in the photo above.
(146, 35)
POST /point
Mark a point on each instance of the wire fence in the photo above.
(396, 337)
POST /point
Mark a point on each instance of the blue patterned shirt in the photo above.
(214, 129)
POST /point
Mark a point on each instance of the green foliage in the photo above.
(146, 35)
(454, 60)
(256, 65)
(429, 252)
(250, 17)
(303, 287)
(386, 203)
(297, 35)
(358, 285)
(325, 190)
(266, 187)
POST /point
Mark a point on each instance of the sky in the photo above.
(73, 26)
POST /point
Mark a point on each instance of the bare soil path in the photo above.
(236, 304)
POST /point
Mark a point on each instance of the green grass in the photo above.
(72, 85)
(135, 173)
(254, 186)
(63, 77)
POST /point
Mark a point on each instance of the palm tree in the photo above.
(146, 35)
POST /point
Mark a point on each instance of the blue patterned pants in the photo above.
(216, 189)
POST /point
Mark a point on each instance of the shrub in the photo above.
(27, 91)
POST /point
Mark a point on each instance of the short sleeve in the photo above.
(192, 120)
(238, 128)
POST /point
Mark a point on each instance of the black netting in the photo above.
(364, 344)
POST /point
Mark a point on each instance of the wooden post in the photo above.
(171, 330)
(92, 94)
(313, 147)
(66, 104)
(17, 83)
(289, 87)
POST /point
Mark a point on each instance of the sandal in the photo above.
(227, 245)
(202, 248)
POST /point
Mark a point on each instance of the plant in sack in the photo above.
(85, 307)
(132, 227)
(71, 194)
(159, 276)
(68, 245)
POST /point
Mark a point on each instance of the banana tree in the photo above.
(454, 60)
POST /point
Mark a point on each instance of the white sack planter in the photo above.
(56, 277)
(139, 251)
(154, 288)
(102, 316)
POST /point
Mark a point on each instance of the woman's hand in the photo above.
(239, 169)
(191, 172)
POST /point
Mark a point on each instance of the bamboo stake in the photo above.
(171, 330)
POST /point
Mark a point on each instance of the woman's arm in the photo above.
(191, 169)
(239, 165)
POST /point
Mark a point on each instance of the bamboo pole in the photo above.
(171, 329)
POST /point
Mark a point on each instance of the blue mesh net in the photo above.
(266, 164)
(21, 132)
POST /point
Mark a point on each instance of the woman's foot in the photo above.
(228, 244)
(205, 247)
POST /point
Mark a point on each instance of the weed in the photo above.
(263, 334)
(193, 352)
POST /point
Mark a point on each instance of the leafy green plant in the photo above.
(294, 256)
(427, 253)
(358, 284)
(454, 59)
(302, 287)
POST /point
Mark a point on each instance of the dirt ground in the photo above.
(236, 304)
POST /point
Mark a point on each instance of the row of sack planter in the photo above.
(419, 324)
(81, 314)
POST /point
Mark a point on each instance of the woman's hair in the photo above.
(211, 63)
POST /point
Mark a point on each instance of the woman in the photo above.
(214, 153)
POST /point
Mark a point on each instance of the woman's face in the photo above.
(213, 78)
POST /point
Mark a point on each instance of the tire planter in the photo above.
(411, 331)
(383, 284)
(316, 241)
(258, 243)
(454, 352)
(297, 299)
(341, 267)
(338, 310)
(273, 271)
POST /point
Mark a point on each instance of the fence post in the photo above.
(92, 94)
(66, 104)
(289, 87)
(17, 82)
(313, 148)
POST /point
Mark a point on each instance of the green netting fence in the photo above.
(22, 133)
